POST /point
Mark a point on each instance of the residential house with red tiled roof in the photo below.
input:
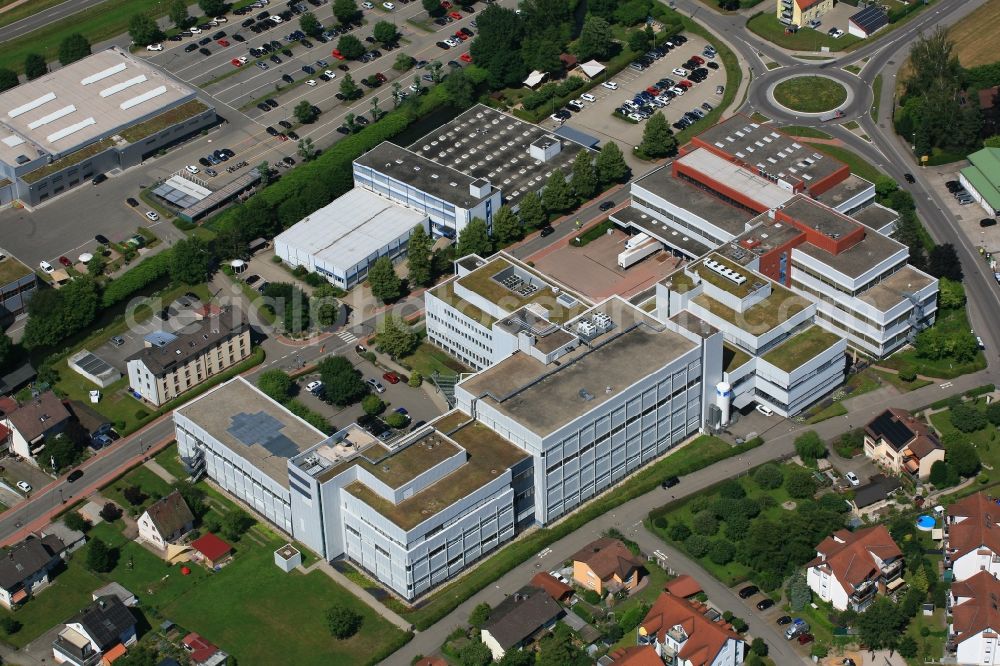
(29, 424)
(683, 586)
(557, 589)
(682, 634)
(202, 652)
(636, 655)
(800, 12)
(606, 565)
(851, 568)
(972, 537)
(974, 634)
(165, 521)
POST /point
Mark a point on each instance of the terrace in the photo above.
(779, 307)
(395, 468)
(11, 269)
(799, 348)
(510, 295)
(76, 157)
(446, 292)
(161, 122)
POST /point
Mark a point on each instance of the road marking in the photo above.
(347, 336)
(947, 385)
(544, 552)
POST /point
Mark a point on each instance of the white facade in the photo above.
(982, 648)
(974, 561)
(826, 586)
(149, 533)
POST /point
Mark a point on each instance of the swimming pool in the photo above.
(926, 523)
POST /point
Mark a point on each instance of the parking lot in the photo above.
(597, 117)
(969, 216)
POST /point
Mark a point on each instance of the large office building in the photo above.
(757, 197)
(107, 111)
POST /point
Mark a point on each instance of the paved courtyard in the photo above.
(593, 269)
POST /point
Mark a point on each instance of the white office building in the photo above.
(343, 239)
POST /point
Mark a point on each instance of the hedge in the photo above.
(144, 274)
(971, 393)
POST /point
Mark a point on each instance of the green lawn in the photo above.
(152, 486)
(766, 25)
(836, 409)
(168, 460)
(949, 322)
(931, 647)
(877, 92)
(427, 359)
(700, 453)
(986, 441)
(858, 164)
(905, 387)
(810, 94)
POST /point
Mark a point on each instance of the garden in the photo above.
(810, 94)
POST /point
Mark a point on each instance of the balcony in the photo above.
(863, 593)
(892, 570)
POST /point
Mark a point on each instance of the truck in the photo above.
(637, 248)
(796, 628)
(831, 115)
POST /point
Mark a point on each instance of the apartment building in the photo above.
(974, 631)
(801, 12)
(901, 444)
(172, 364)
(851, 568)
(759, 198)
(683, 632)
(31, 423)
(972, 537)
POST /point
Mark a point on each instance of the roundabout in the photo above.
(809, 94)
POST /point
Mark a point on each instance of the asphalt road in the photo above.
(44, 18)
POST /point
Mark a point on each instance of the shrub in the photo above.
(660, 523)
(396, 420)
(631, 618)
(907, 374)
(9, 625)
(721, 551)
(343, 622)
(967, 418)
(75, 521)
(705, 523)
(732, 489)
(678, 532)
(697, 545)
(768, 476)
(591, 597)
(134, 495)
(110, 512)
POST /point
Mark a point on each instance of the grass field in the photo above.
(949, 322)
(977, 35)
(152, 486)
(806, 132)
(168, 460)
(766, 25)
(858, 164)
(810, 94)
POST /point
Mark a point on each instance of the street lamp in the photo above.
(61, 500)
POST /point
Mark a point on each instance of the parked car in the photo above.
(766, 411)
(670, 482)
(809, 638)
(314, 387)
(131, 201)
(74, 475)
(24, 486)
(748, 591)
(909, 178)
(391, 377)
(546, 230)
(783, 620)
(607, 205)
(152, 216)
(764, 604)
(853, 479)
(375, 386)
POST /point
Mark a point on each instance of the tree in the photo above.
(193, 496)
(343, 622)
(759, 647)
(276, 384)
(74, 47)
(143, 30)
(435, 69)
(584, 178)
(967, 418)
(541, 54)
(345, 11)
(7, 352)
(506, 227)
(385, 33)
(884, 186)
(799, 594)
(396, 420)
(678, 532)
(55, 315)
(939, 474)
(304, 112)
(8, 79)
(800, 483)
(375, 110)
(351, 47)
(657, 139)
(595, 39)
(964, 458)
(342, 383)
(9, 625)
(475, 653)
(35, 66)
(310, 24)
(497, 47)
(100, 557)
(474, 239)
(809, 446)
(396, 338)
(610, 165)
(372, 404)
(383, 281)
(349, 89)
(907, 647)
(992, 411)
(704, 523)
(480, 614)
(418, 257)
(558, 648)
(306, 149)
(697, 545)
(95, 267)
(404, 61)
(721, 551)
(190, 261)
(943, 262)
(75, 521)
(235, 524)
(531, 211)
(459, 89)
(768, 476)
(878, 627)
(557, 196)
(951, 295)
(638, 41)
(178, 13)
(433, 7)
(212, 8)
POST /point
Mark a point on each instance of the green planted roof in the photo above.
(984, 174)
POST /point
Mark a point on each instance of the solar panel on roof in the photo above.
(870, 19)
(263, 429)
(93, 365)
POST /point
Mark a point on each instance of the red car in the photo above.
(236, 62)
(806, 638)
(698, 59)
(455, 15)
(460, 35)
(337, 54)
(653, 90)
(685, 84)
(223, 42)
(391, 377)
(465, 57)
(381, 77)
(65, 262)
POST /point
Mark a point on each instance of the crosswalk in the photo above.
(347, 336)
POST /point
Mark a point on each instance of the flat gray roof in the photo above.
(876, 216)
(420, 172)
(860, 257)
(760, 189)
(77, 104)
(677, 240)
(486, 143)
(546, 397)
(685, 195)
(253, 425)
(821, 218)
(894, 289)
(351, 228)
(844, 190)
(767, 147)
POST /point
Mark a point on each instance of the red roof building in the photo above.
(680, 628)
(636, 655)
(683, 586)
(201, 651)
(973, 536)
(851, 567)
(212, 548)
(556, 589)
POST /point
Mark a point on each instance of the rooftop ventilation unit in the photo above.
(586, 328)
(603, 321)
(725, 271)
